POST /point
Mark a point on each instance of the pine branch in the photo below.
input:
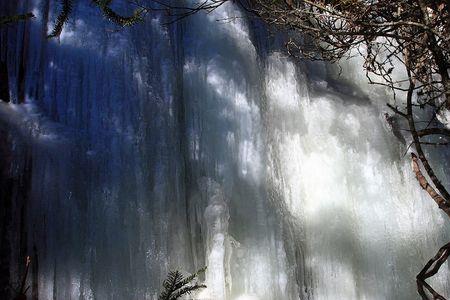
(175, 285)
(190, 278)
(4, 20)
(62, 18)
(173, 278)
(114, 17)
(187, 290)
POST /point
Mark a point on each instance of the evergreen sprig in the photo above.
(62, 18)
(103, 5)
(15, 18)
(176, 285)
(114, 17)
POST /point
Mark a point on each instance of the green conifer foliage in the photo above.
(62, 18)
(176, 285)
(115, 17)
(107, 11)
(4, 20)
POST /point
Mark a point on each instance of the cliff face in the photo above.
(128, 152)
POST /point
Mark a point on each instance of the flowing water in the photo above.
(127, 153)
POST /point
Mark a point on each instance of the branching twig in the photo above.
(435, 264)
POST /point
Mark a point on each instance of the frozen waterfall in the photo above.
(128, 153)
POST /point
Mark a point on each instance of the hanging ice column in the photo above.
(223, 97)
(369, 228)
(218, 247)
